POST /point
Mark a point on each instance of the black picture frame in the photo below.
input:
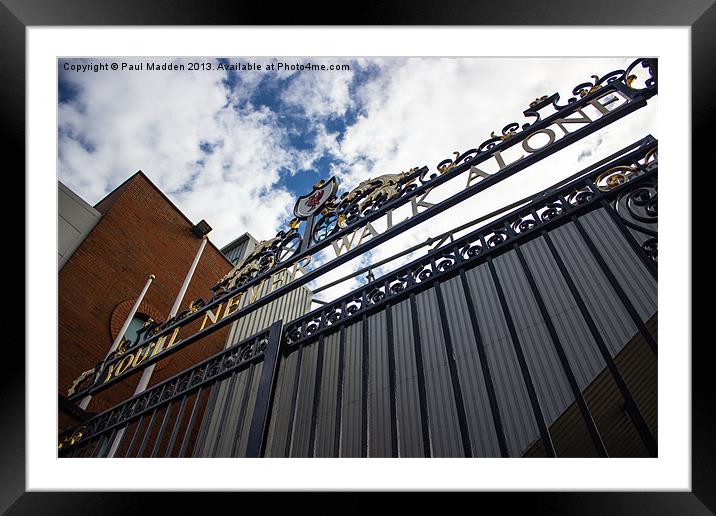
(700, 15)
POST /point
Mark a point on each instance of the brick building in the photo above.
(106, 254)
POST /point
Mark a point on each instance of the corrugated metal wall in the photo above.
(385, 386)
(219, 430)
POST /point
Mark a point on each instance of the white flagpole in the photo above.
(147, 373)
(120, 336)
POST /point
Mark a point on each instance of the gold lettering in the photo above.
(501, 162)
(602, 108)
(475, 173)
(584, 119)
(234, 301)
(173, 340)
(211, 315)
(255, 291)
(367, 230)
(347, 244)
(109, 373)
(143, 353)
(299, 266)
(125, 363)
(389, 219)
(421, 202)
(278, 280)
(549, 132)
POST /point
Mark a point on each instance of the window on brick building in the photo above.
(135, 325)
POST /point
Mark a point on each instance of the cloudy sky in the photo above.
(237, 147)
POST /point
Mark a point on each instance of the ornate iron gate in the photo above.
(134, 426)
(482, 345)
(513, 340)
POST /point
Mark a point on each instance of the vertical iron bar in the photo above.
(258, 432)
(294, 397)
(242, 411)
(206, 418)
(454, 378)
(130, 448)
(162, 427)
(615, 285)
(364, 387)
(316, 397)
(147, 432)
(175, 427)
(576, 391)
(190, 424)
(224, 410)
(541, 423)
(427, 447)
(629, 402)
(391, 380)
(485, 366)
(339, 397)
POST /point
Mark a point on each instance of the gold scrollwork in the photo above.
(71, 439)
(382, 185)
(613, 177)
(448, 168)
(79, 380)
(584, 92)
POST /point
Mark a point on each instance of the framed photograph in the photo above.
(359, 258)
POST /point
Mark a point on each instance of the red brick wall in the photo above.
(140, 233)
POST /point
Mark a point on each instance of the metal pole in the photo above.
(120, 336)
(147, 373)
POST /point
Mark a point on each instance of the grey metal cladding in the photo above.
(512, 398)
(611, 318)
(350, 445)
(477, 406)
(329, 388)
(281, 413)
(249, 413)
(582, 352)
(304, 401)
(639, 286)
(286, 308)
(379, 417)
(444, 426)
(546, 371)
(410, 434)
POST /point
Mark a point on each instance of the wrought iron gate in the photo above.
(134, 426)
(534, 335)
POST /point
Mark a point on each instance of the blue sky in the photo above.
(237, 148)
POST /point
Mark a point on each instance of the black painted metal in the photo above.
(316, 398)
(524, 369)
(175, 427)
(489, 385)
(586, 414)
(391, 383)
(512, 134)
(294, 397)
(242, 413)
(455, 381)
(162, 427)
(629, 403)
(263, 347)
(339, 397)
(224, 410)
(553, 208)
(364, 388)
(616, 286)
